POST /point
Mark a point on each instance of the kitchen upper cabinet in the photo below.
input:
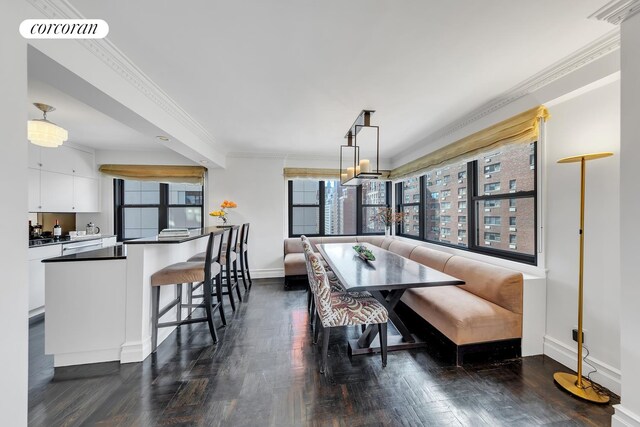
(56, 192)
(85, 194)
(83, 164)
(58, 159)
(34, 190)
(62, 179)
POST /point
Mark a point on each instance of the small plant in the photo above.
(364, 252)
(388, 217)
(222, 213)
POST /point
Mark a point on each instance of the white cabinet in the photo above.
(33, 193)
(36, 275)
(85, 194)
(56, 192)
(62, 179)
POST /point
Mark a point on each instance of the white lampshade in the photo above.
(46, 134)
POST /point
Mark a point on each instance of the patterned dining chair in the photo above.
(344, 309)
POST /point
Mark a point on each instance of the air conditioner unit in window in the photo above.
(488, 243)
(512, 191)
(459, 181)
(487, 209)
(487, 193)
(487, 175)
(512, 246)
(512, 209)
(459, 210)
(459, 197)
(487, 227)
(487, 160)
(444, 223)
(459, 238)
(512, 229)
(459, 225)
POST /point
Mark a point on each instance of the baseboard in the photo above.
(607, 375)
(624, 417)
(132, 352)
(266, 273)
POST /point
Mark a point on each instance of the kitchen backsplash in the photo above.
(48, 220)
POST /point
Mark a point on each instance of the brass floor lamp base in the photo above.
(587, 392)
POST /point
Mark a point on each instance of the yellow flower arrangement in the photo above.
(222, 213)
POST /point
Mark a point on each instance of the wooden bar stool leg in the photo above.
(243, 272)
(230, 286)
(179, 298)
(246, 264)
(218, 283)
(207, 307)
(155, 307)
(235, 278)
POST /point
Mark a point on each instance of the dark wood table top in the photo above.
(388, 271)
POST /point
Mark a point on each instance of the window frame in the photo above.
(321, 206)
(473, 196)
(163, 207)
(400, 204)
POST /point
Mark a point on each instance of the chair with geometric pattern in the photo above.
(344, 309)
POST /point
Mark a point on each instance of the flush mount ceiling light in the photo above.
(44, 133)
(356, 166)
(162, 138)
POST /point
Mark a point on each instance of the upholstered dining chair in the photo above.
(344, 309)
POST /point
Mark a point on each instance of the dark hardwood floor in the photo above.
(264, 372)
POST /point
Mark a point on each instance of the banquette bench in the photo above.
(484, 314)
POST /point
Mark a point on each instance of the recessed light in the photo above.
(204, 162)
(162, 138)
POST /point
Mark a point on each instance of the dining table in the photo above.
(386, 278)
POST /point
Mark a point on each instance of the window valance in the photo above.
(158, 173)
(317, 173)
(523, 127)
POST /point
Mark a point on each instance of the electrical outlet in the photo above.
(574, 335)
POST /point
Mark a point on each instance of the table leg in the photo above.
(389, 301)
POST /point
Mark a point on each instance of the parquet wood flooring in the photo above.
(264, 372)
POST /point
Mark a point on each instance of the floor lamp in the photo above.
(576, 384)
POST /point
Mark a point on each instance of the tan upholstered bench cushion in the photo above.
(462, 316)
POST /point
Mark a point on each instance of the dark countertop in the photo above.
(66, 239)
(195, 233)
(103, 254)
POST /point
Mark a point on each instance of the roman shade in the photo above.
(524, 127)
(316, 173)
(157, 173)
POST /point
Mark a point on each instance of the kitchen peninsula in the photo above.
(99, 302)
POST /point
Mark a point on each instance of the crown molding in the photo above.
(616, 11)
(591, 52)
(118, 62)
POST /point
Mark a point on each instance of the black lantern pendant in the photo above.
(360, 158)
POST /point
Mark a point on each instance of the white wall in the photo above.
(584, 124)
(628, 412)
(257, 186)
(13, 262)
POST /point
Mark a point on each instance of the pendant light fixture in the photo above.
(360, 160)
(44, 133)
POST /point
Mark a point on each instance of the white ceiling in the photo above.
(86, 125)
(290, 76)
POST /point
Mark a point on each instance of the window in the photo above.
(492, 220)
(491, 237)
(143, 208)
(492, 168)
(410, 192)
(375, 195)
(490, 206)
(446, 179)
(512, 239)
(492, 186)
(325, 208)
(445, 231)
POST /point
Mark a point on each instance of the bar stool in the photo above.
(243, 255)
(177, 274)
(228, 260)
